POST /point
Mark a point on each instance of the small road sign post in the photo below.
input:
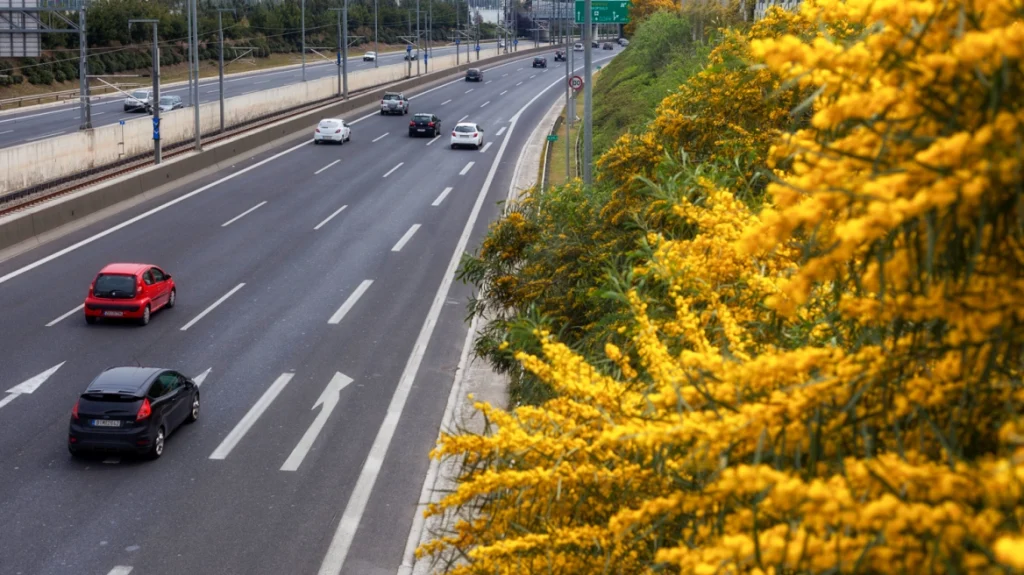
(552, 137)
(576, 83)
(605, 11)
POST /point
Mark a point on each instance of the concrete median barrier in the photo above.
(48, 158)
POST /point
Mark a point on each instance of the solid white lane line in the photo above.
(250, 418)
(500, 132)
(65, 316)
(469, 90)
(484, 149)
(350, 302)
(445, 102)
(325, 167)
(212, 307)
(120, 570)
(330, 217)
(436, 138)
(44, 136)
(519, 84)
(355, 506)
(466, 169)
(392, 170)
(463, 118)
(441, 198)
(382, 136)
(243, 214)
(503, 93)
(261, 82)
(408, 236)
(485, 103)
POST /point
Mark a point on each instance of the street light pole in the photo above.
(156, 85)
(188, 13)
(195, 65)
(220, 28)
(570, 111)
(418, 37)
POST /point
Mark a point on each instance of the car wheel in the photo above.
(90, 319)
(315, 142)
(158, 445)
(146, 313)
(171, 299)
(453, 146)
(75, 452)
(382, 112)
(193, 415)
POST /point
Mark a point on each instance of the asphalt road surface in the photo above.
(49, 121)
(293, 266)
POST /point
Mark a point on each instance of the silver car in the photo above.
(168, 103)
(394, 103)
(138, 101)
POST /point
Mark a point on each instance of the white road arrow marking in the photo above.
(199, 379)
(329, 400)
(29, 385)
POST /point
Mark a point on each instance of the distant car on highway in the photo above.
(467, 134)
(132, 409)
(332, 130)
(594, 44)
(607, 46)
(424, 125)
(413, 55)
(168, 103)
(129, 291)
(370, 56)
(394, 103)
(623, 42)
(577, 47)
(540, 62)
(474, 75)
(559, 56)
(138, 101)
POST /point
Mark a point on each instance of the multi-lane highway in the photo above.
(298, 270)
(49, 121)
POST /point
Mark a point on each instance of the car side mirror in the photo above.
(167, 277)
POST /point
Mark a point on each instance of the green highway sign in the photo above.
(605, 11)
(552, 137)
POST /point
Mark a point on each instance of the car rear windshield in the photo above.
(422, 117)
(114, 286)
(109, 397)
(140, 94)
(473, 71)
(465, 129)
(167, 100)
(391, 97)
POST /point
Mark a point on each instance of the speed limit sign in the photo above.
(576, 83)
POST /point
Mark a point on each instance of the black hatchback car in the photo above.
(559, 56)
(133, 410)
(540, 62)
(474, 75)
(424, 125)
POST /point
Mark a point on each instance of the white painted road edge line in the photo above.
(391, 171)
(325, 167)
(121, 570)
(381, 136)
(65, 316)
(468, 167)
(330, 217)
(499, 132)
(350, 302)
(360, 496)
(243, 214)
(261, 405)
(206, 311)
(404, 239)
(484, 149)
(44, 136)
(441, 198)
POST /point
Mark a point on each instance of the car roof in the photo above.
(470, 124)
(423, 114)
(332, 120)
(473, 70)
(125, 268)
(132, 380)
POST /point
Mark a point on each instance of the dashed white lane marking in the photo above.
(485, 103)
(330, 217)
(408, 236)
(532, 77)
(381, 136)
(466, 169)
(120, 569)
(445, 102)
(325, 167)
(500, 132)
(436, 138)
(212, 307)
(488, 82)
(441, 198)
(65, 316)
(503, 93)
(484, 149)
(243, 427)
(392, 170)
(243, 214)
(519, 84)
(464, 117)
(350, 302)
(6, 132)
(469, 90)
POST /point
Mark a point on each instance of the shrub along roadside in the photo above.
(820, 374)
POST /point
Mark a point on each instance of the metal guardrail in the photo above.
(20, 101)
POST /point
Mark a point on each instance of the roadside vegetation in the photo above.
(783, 333)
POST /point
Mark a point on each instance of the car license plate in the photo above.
(113, 313)
(106, 423)
(421, 130)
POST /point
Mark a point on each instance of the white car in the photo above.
(370, 57)
(467, 134)
(332, 130)
(577, 47)
(138, 101)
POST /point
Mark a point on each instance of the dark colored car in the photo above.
(607, 46)
(540, 62)
(425, 125)
(559, 56)
(594, 44)
(129, 291)
(474, 75)
(132, 410)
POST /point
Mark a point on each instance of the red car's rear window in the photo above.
(114, 286)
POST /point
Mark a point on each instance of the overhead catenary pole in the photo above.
(220, 67)
(376, 53)
(303, 40)
(569, 109)
(195, 66)
(156, 85)
(83, 73)
(588, 119)
(342, 49)
(188, 17)
(418, 37)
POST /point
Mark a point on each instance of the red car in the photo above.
(129, 291)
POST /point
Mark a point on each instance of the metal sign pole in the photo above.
(83, 73)
(156, 84)
(220, 67)
(588, 103)
(303, 40)
(195, 65)
(344, 49)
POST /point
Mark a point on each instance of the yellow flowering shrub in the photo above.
(827, 383)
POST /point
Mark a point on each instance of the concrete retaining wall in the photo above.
(45, 160)
(41, 223)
